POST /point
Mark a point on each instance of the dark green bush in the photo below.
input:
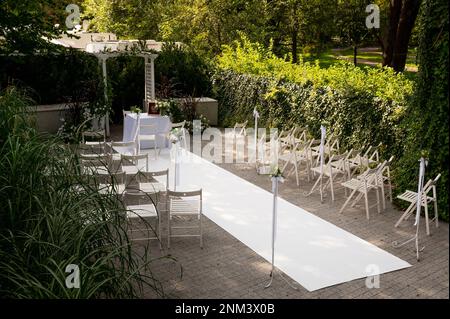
(179, 72)
(54, 78)
(426, 125)
(46, 224)
(357, 117)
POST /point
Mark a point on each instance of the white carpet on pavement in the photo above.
(310, 250)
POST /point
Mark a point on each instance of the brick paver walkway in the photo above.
(226, 268)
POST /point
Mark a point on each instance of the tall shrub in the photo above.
(51, 217)
(360, 105)
(426, 124)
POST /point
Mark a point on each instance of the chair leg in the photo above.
(383, 199)
(159, 232)
(390, 189)
(367, 205)
(357, 199)
(169, 233)
(427, 222)
(436, 216)
(405, 214)
(201, 232)
(296, 174)
(332, 188)
(378, 200)
(347, 201)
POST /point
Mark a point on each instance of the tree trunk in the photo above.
(405, 25)
(355, 54)
(395, 8)
(402, 16)
(294, 47)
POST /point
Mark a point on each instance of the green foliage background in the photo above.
(363, 106)
(425, 128)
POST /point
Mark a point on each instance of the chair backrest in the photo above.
(92, 147)
(371, 175)
(132, 159)
(176, 199)
(339, 160)
(115, 178)
(240, 125)
(179, 124)
(123, 144)
(372, 152)
(430, 183)
(148, 176)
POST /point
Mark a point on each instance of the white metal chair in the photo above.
(148, 182)
(181, 126)
(182, 204)
(149, 133)
(335, 167)
(97, 129)
(411, 197)
(362, 185)
(119, 148)
(331, 146)
(111, 182)
(144, 209)
(92, 147)
(267, 155)
(242, 127)
(297, 157)
(95, 163)
(131, 165)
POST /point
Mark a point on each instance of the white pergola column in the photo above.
(149, 67)
(103, 58)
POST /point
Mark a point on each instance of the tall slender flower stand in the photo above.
(420, 196)
(276, 178)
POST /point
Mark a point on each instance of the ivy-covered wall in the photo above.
(426, 126)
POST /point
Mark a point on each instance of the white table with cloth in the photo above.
(162, 126)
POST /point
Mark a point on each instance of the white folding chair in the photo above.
(95, 163)
(184, 204)
(131, 164)
(267, 155)
(331, 146)
(411, 197)
(362, 185)
(296, 157)
(156, 182)
(92, 147)
(242, 127)
(181, 126)
(144, 209)
(149, 133)
(111, 183)
(335, 168)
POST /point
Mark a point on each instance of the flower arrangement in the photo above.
(135, 109)
(175, 135)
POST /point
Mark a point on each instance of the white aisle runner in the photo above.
(310, 250)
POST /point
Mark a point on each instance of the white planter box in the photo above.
(207, 107)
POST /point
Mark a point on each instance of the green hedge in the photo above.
(360, 105)
(54, 78)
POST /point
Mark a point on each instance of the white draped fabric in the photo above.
(162, 124)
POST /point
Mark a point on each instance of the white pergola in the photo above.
(100, 50)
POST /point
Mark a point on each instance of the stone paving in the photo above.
(226, 268)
